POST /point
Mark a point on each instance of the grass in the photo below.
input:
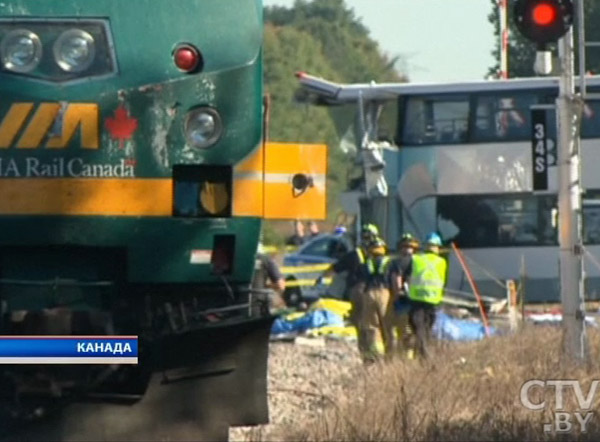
(467, 392)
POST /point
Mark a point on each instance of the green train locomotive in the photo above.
(133, 180)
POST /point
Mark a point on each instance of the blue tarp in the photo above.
(452, 329)
(314, 319)
(445, 327)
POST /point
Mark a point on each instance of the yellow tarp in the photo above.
(336, 306)
(294, 316)
(344, 332)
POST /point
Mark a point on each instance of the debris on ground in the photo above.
(314, 358)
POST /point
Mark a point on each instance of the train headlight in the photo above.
(203, 127)
(74, 50)
(21, 51)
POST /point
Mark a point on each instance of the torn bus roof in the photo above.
(319, 91)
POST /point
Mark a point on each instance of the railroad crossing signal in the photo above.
(543, 21)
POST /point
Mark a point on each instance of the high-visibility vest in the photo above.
(376, 270)
(427, 278)
(361, 255)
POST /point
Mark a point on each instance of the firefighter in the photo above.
(351, 263)
(427, 273)
(352, 260)
(407, 245)
(376, 304)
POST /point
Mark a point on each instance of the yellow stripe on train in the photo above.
(86, 196)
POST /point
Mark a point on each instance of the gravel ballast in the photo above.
(304, 376)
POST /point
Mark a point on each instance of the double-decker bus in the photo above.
(461, 163)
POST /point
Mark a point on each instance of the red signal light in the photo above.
(187, 58)
(543, 21)
(543, 14)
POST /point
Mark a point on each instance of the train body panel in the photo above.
(221, 383)
(145, 123)
(133, 181)
(145, 32)
(158, 250)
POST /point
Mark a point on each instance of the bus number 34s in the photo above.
(540, 148)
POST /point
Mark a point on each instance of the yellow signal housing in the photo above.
(282, 181)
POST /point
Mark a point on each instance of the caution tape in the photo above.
(275, 249)
(305, 282)
(304, 269)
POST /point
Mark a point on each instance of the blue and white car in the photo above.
(325, 248)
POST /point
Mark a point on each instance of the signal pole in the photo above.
(544, 22)
(569, 208)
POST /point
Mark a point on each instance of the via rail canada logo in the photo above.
(52, 126)
(567, 419)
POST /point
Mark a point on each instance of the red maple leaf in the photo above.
(121, 127)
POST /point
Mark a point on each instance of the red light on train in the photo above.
(543, 14)
(187, 58)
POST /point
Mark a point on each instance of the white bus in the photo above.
(461, 165)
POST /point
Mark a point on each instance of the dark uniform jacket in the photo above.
(352, 263)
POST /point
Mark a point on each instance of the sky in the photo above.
(439, 40)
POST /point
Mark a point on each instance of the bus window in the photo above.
(436, 120)
(590, 120)
(591, 217)
(500, 221)
(503, 118)
(387, 123)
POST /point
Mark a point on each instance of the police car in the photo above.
(311, 259)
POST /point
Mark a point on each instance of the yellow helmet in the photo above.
(407, 240)
(377, 247)
(370, 228)
(368, 233)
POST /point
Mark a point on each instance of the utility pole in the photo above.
(545, 22)
(503, 13)
(569, 207)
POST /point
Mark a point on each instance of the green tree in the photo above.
(323, 38)
(294, 122)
